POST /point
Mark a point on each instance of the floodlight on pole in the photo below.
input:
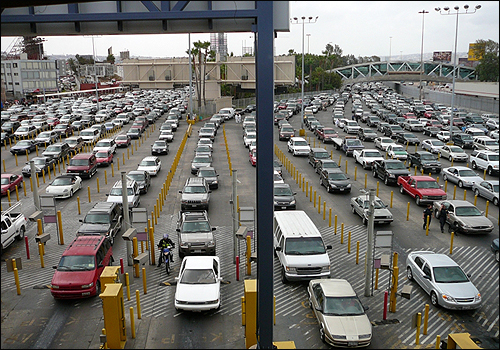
(455, 71)
(423, 12)
(302, 81)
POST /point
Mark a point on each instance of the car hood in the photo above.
(57, 189)
(432, 192)
(17, 147)
(27, 168)
(284, 198)
(339, 182)
(308, 260)
(197, 292)
(210, 178)
(73, 278)
(350, 326)
(475, 220)
(93, 228)
(194, 196)
(459, 290)
(197, 237)
(399, 172)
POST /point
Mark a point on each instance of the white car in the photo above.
(383, 142)
(277, 178)
(397, 152)
(366, 157)
(432, 145)
(298, 146)
(64, 186)
(151, 164)
(454, 153)
(198, 284)
(341, 122)
(104, 145)
(351, 127)
(341, 316)
(443, 136)
(461, 175)
(249, 137)
(167, 135)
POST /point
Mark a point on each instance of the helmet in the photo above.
(165, 235)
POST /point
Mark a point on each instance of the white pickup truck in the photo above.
(366, 157)
(13, 225)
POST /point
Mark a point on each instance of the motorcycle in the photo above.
(167, 257)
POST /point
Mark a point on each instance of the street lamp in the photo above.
(447, 9)
(310, 20)
(390, 47)
(423, 12)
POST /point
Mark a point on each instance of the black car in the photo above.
(284, 197)
(431, 130)
(210, 175)
(250, 108)
(159, 147)
(105, 219)
(407, 138)
(142, 178)
(389, 170)
(326, 164)
(21, 146)
(315, 154)
(10, 126)
(335, 180)
(393, 130)
(41, 164)
(367, 134)
(463, 140)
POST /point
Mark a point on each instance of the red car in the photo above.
(409, 115)
(9, 182)
(104, 157)
(435, 123)
(253, 157)
(123, 140)
(53, 121)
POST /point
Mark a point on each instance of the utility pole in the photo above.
(369, 247)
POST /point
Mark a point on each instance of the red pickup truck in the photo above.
(424, 189)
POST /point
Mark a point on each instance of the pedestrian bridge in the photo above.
(404, 71)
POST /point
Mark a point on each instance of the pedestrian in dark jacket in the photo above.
(443, 214)
(427, 214)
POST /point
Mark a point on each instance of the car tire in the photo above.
(445, 178)
(353, 210)
(20, 236)
(365, 221)
(322, 334)
(417, 200)
(489, 170)
(495, 201)
(409, 273)
(476, 192)
(386, 180)
(70, 193)
(450, 158)
(97, 288)
(460, 184)
(374, 173)
(401, 189)
(474, 165)
(283, 276)
(434, 299)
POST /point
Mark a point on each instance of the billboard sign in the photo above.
(441, 56)
(475, 52)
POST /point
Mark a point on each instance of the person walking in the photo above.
(427, 214)
(443, 214)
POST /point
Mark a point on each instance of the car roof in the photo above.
(460, 203)
(200, 262)
(336, 287)
(150, 158)
(436, 259)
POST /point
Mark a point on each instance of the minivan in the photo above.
(299, 246)
(79, 270)
(83, 165)
(90, 135)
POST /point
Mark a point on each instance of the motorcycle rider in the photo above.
(165, 242)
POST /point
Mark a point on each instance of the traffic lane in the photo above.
(400, 202)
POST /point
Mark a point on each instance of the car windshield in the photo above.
(207, 172)
(121, 138)
(201, 160)
(321, 155)
(427, 156)
(87, 133)
(395, 165)
(23, 143)
(491, 143)
(97, 218)
(148, 163)
(195, 189)
(39, 161)
(304, 246)
(76, 263)
(427, 184)
(466, 173)
(5, 181)
(377, 204)
(410, 136)
(449, 274)
(78, 162)
(137, 177)
(466, 137)
(117, 191)
(195, 226)
(437, 143)
(44, 134)
(326, 165)
(159, 144)
(102, 155)
(283, 191)
(398, 149)
(336, 176)
(343, 306)
(191, 276)
(456, 150)
(301, 143)
(372, 154)
(285, 129)
(467, 211)
(103, 144)
(62, 181)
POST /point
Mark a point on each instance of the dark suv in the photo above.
(103, 219)
(315, 154)
(367, 134)
(195, 234)
(463, 140)
(57, 151)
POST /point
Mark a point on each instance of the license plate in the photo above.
(341, 189)
(433, 169)
(352, 343)
(283, 207)
(197, 251)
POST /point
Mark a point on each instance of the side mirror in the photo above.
(329, 247)
(278, 249)
(427, 277)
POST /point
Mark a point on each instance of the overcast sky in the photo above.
(360, 28)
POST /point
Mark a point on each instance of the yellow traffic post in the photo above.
(4, 167)
(357, 252)
(487, 207)
(366, 179)
(135, 144)
(346, 166)
(315, 198)
(127, 284)
(376, 279)
(105, 177)
(98, 189)
(319, 204)
(451, 242)
(17, 194)
(330, 217)
(465, 194)
(484, 174)
(446, 185)
(138, 302)
(454, 192)
(355, 172)
(40, 252)
(377, 187)
(335, 225)
(78, 202)
(307, 189)
(24, 187)
(8, 197)
(88, 190)
(300, 180)
(392, 306)
(392, 194)
(152, 242)
(302, 184)
(118, 163)
(475, 200)
(415, 171)
(16, 277)
(342, 233)
(437, 179)
(112, 170)
(15, 156)
(123, 157)
(43, 175)
(419, 320)
(132, 322)
(426, 318)
(59, 222)
(27, 156)
(408, 212)
(349, 242)
(451, 162)
(340, 158)
(144, 285)
(438, 342)
(427, 226)
(128, 156)
(37, 180)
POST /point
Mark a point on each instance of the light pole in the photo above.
(423, 12)
(302, 133)
(390, 47)
(447, 9)
(308, 35)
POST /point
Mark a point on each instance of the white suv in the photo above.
(298, 146)
(482, 159)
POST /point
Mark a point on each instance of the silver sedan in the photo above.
(487, 189)
(431, 145)
(461, 175)
(453, 153)
(443, 279)
(361, 204)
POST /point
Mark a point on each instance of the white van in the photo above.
(227, 112)
(299, 247)
(90, 135)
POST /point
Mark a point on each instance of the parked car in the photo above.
(461, 175)
(22, 146)
(75, 143)
(432, 145)
(123, 140)
(453, 153)
(142, 178)
(151, 164)
(487, 189)
(335, 180)
(58, 151)
(104, 157)
(443, 279)
(339, 312)
(159, 147)
(42, 165)
(64, 186)
(383, 142)
(10, 181)
(443, 136)
(407, 138)
(397, 152)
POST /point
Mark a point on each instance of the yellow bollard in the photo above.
(27, 156)
(319, 204)
(487, 207)
(484, 174)
(138, 302)
(127, 284)
(15, 156)
(315, 198)
(118, 164)
(307, 189)
(349, 242)
(4, 167)
(426, 318)
(446, 186)
(43, 175)
(123, 157)
(78, 201)
(335, 225)
(144, 285)
(377, 187)
(16, 279)
(427, 226)
(376, 279)
(366, 178)
(17, 194)
(112, 170)
(454, 191)
(24, 187)
(415, 171)
(419, 320)
(392, 194)
(324, 210)
(40, 252)
(475, 200)
(59, 222)
(346, 166)
(355, 172)
(37, 180)
(438, 342)
(437, 179)
(132, 149)
(302, 184)
(340, 158)
(330, 217)
(342, 233)
(357, 252)
(88, 190)
(128, 156)
(8, 197)
(132, 322)
(451, 242)
(98, 190)
(465, 194)
(408, 212)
